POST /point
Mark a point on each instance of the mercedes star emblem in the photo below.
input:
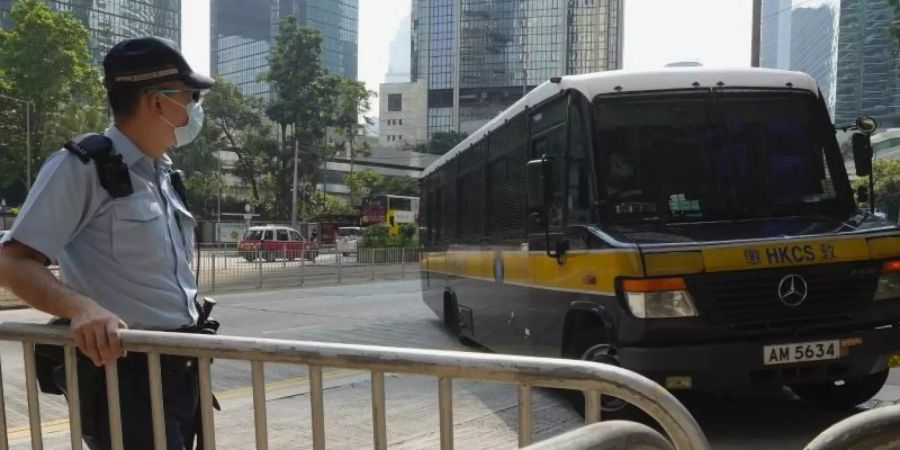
(792, 290)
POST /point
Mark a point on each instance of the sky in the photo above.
(657, 32)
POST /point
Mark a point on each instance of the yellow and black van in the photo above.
(694, 225)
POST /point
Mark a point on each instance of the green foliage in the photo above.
(406, 236)
(234, 124)
(44, 59)
(363, 182)
(379, 236)
(326, 205)
(887, 186)
(399, 186)
(368, 182)
(441, 142)
(305, 105)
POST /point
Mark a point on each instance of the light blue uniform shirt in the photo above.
(132, 255)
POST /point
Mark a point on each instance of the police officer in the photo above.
(108, 210)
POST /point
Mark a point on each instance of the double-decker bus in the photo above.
(390, 209)
(694, 225)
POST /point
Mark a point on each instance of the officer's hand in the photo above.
(96, 333)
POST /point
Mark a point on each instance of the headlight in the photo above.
(889, 281)
(659, 298)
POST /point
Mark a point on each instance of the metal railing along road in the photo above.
(228, 268)
(527, 373)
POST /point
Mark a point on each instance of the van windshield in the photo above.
(716, 156)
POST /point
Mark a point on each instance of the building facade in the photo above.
(477, 57)
(385, 161)
(242, 32)
(111, 21)
(399, 59)
(846, 45)
(401, 116)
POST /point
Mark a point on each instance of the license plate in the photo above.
(801, 352)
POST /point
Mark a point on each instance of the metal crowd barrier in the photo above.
(527, 373)
(613, 435)
(876, 429)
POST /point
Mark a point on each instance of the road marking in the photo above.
(51, 427)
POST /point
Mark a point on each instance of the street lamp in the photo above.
(28, 105)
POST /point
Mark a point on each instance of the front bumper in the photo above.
(740, 364)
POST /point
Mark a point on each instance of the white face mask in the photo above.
(186, 134)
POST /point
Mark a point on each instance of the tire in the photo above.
(590, 345)
(843, 396)
(269, 256)
(248, 257)
(451, 314)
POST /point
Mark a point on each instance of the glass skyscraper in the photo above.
(846, 45)
(110, 21)
(480, 56)
(243, 32)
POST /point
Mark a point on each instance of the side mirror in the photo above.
(866, 124)
(862, 194)
(537, 171)
(862, 154)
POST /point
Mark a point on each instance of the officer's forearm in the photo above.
(29, 280)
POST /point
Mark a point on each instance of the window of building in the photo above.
(395, 102)
(399, 121)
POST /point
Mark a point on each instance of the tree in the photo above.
(441, 142)
(368, 182)
(45, 59)
(353, 105)
(326, 205)
(887, 186)
(234, 124)
(363, 182)
(400, 186)
(305, 105)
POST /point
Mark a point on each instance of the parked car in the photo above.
(348, 239)
(271, 242)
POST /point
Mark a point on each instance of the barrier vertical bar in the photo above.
(206, 405)
(154, 370)
(34, 407)
(317, 405)
(379, 423)
(303, 255)
(112, 402)
(212, 268)
(403, 263)
(259, 266)
(592, 405)
(371, 260)
(4, 440)
(445, 402)
(339, 258)
(526, 424)
(259, 405)
(73, 397)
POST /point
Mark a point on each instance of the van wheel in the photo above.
(843, 396)
(591, 345)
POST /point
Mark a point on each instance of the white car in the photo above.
(348, 239)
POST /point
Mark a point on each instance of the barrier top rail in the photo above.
(592, 378)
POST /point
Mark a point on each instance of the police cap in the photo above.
(145, 61)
